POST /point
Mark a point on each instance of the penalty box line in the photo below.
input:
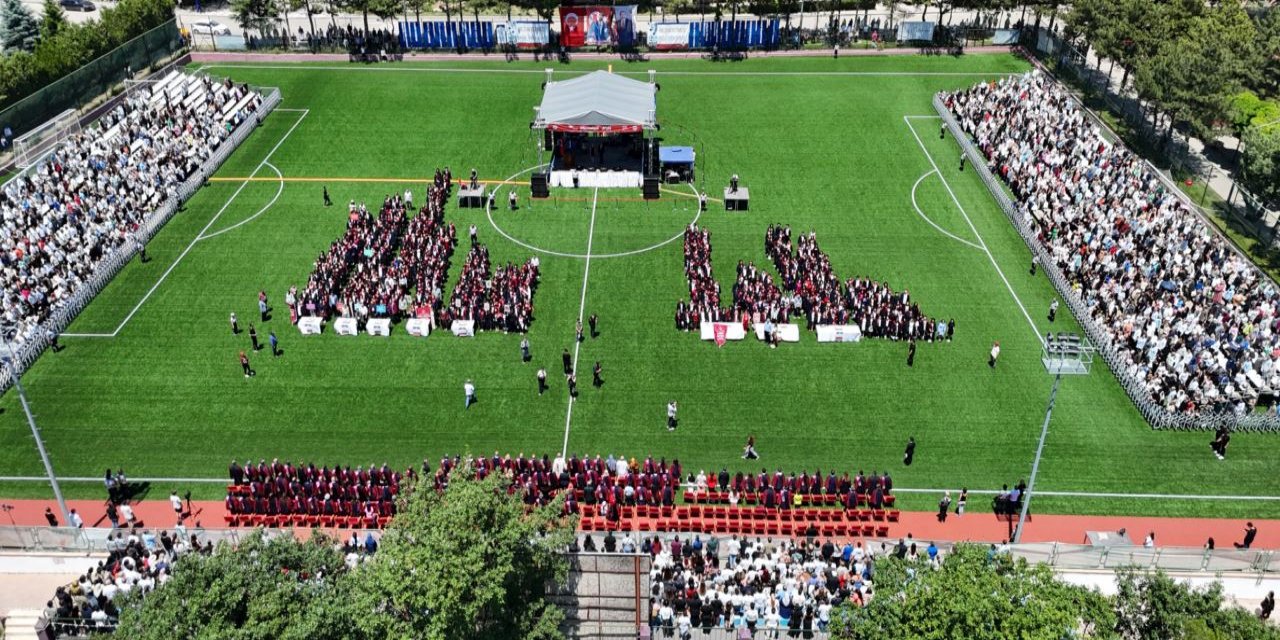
(199, 236)
(981, 242)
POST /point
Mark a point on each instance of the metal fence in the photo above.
(1157, 416)
(111, 264)
(94, 79)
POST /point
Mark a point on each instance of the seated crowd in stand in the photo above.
(61, 219)
(503, 301)
(137, 562)
(762, 586)
(1190, 319)
(810, 289)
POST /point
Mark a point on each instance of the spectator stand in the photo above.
(1104, 344)
(29, 349)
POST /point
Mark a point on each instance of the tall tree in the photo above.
(975, 594)
(259, 15)
(18, 28)
(1153, 606)
(1260, 163)
(53, 19)
(266, 588)
(468, 563)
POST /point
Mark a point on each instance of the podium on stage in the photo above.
(736, 200)
(471, 197)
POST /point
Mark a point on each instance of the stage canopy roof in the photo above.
(599, 102)
(675, 155)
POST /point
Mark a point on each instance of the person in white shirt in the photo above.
(176, 503)
(995, 355)
(671, 415)
(666, 616)
(127, 512)
(470, 391)
(76, 520)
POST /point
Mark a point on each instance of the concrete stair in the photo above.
(21, 624)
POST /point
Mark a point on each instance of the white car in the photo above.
(210, 27)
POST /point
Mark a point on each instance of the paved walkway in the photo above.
(976, 526)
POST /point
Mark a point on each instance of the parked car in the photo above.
(208, 27)
(78, 5)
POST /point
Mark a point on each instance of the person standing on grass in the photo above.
(995, 354)
(142, 250)
(1035, 262)
(942, 131)
(596, 380)
(911, 353)
(672, 408)
(542, 381)
(910, 453)
(578, 330)
(262, 306)
(235, 325)
(1220, 441)
(749, 451)
(594, 323)
(1250, 532)
(408, 199)
(944, 505)
(244, 364)
(1053, 310)
(572, 380)
(470, 391)
(951, 329)
(962, 159)
(327, 201)
(512, 199)
(52, 336)
(275, 344)
(568, 362)
(524, 349)
(473, 235)
(253, 337)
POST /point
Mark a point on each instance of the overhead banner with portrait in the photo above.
(586, 26)
(624, 25)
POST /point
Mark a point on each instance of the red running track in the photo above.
(979, 526)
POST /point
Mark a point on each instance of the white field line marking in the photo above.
(896, 490)
(197, 239)
(582, 310)
(560, 254)
(976, 235)
(931, 222)
(261, 211)
(920, 117)
(746, 74)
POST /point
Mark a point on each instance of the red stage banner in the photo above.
(596, 128)
(586, 26)
(721, 332)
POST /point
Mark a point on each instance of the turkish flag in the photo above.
(721, 332)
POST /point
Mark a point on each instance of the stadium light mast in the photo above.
(12, 361)
(1063, 354)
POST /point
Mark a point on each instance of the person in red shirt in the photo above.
(244, 364)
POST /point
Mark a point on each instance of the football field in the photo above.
(850, 149)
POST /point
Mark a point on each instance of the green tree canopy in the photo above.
(1260, 163)
(18, 28)
(53, 20)
(468, 563)
(976, 595)
(1153, 606)
(266, 588)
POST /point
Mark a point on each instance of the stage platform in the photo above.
(469, 198)
(601, 179)
(739, 200)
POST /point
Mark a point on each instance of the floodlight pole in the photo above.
(35, 433)
(1035, 466)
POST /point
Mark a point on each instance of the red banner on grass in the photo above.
(586, 26)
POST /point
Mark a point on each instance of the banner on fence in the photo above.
(523, 34)
(345, 327)
(624, 25)
(669, 36)
(447, 35)
(309, 325)
(378, 327)
(464, 328)
(839, 333)
(786, 332)
(740, 34)
(586, 26)
(916, 32)
(1005, 36)
(420, 327)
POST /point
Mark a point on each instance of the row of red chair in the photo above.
(730, 527)
(308, 521)
(801, 515)
(816, 499)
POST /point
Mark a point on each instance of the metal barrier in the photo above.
(1157, 416)
(27, 352)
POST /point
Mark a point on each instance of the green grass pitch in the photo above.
(825, 151)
